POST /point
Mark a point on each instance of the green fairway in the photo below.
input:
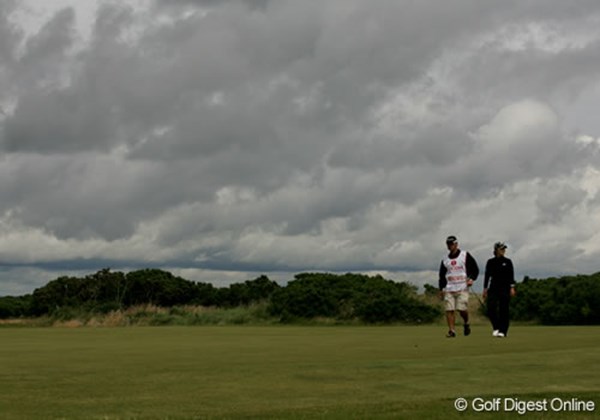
(290, 372)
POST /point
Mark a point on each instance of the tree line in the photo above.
(108, 290)
(309, 295)
(567, 300)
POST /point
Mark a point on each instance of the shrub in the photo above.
(349, 296)
(570, 300)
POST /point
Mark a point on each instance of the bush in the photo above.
(106, 291)
(15, 306)
(558, 301)
(350, 296)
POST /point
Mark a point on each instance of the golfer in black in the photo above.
(498, 288)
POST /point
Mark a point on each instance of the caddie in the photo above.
(458, 271)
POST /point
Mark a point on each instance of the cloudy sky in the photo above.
(224, 139)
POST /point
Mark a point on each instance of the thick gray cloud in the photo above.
(223, 137)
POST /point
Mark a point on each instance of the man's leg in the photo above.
(451, 319)
(450, 304)
(463, 308)
(466, 326)
(504, 305)
(492, 310)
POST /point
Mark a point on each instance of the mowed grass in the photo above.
(289, 372)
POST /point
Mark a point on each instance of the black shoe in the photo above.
(467, 329)
(451, 334)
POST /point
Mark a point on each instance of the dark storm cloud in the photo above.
(287, 134)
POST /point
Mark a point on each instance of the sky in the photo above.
(225, 139)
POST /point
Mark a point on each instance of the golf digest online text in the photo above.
(516, 405)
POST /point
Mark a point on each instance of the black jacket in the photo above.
(499, 275)
(472, 269)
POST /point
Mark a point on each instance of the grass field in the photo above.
(290, 372)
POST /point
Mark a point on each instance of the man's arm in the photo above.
(487, 275)
(511, 272)
(442, 280)
(472, 268)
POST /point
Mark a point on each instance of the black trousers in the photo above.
(498, 311)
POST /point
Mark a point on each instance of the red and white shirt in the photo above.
(456, 272)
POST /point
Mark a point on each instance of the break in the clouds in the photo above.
(228, 138)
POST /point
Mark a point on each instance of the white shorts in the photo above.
(456, 301)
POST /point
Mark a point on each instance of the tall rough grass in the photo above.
(151, 315)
